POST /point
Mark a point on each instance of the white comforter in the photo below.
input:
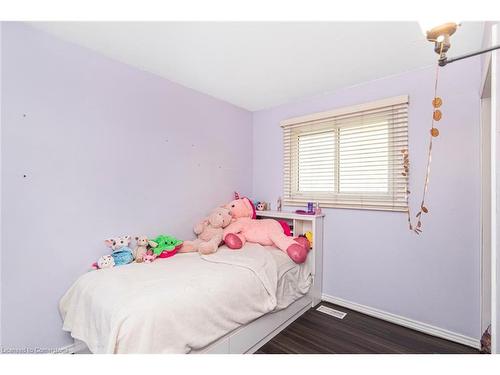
(173, 305)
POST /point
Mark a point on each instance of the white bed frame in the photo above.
(250, 337)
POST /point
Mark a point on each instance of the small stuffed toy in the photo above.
(165, 246)
(265, 232)
(148, 258)
(261, 206)
(122, 253)
(141, 249)
(209, 232)
(106, 261)
(309, 237)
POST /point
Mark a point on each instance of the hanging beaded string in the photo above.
(434, 132)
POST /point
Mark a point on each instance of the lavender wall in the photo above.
(92, 148)
(370, 257)
(109, 150)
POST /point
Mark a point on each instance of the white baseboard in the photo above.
(405, 322)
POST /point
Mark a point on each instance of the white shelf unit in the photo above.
(300, 224)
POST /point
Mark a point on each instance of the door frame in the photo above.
(486, 197)
(495, 63)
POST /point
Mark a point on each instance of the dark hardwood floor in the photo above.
(316, 332)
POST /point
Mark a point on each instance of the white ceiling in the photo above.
(257, 65)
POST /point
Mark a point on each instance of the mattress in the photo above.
(180, 304)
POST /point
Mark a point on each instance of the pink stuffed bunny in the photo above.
(265, 232)
(209, 233)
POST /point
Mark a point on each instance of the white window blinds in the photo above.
(348, 158)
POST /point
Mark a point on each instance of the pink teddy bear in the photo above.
(263, 231)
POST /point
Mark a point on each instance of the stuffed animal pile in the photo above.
(145, 250)
(233, 224)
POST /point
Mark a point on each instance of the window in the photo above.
(348, 158)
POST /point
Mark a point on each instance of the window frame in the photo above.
(337, 199)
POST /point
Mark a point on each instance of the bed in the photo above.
(232, 301)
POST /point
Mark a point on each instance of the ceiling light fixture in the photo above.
(440, 36)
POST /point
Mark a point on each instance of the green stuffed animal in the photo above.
(164, 243)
